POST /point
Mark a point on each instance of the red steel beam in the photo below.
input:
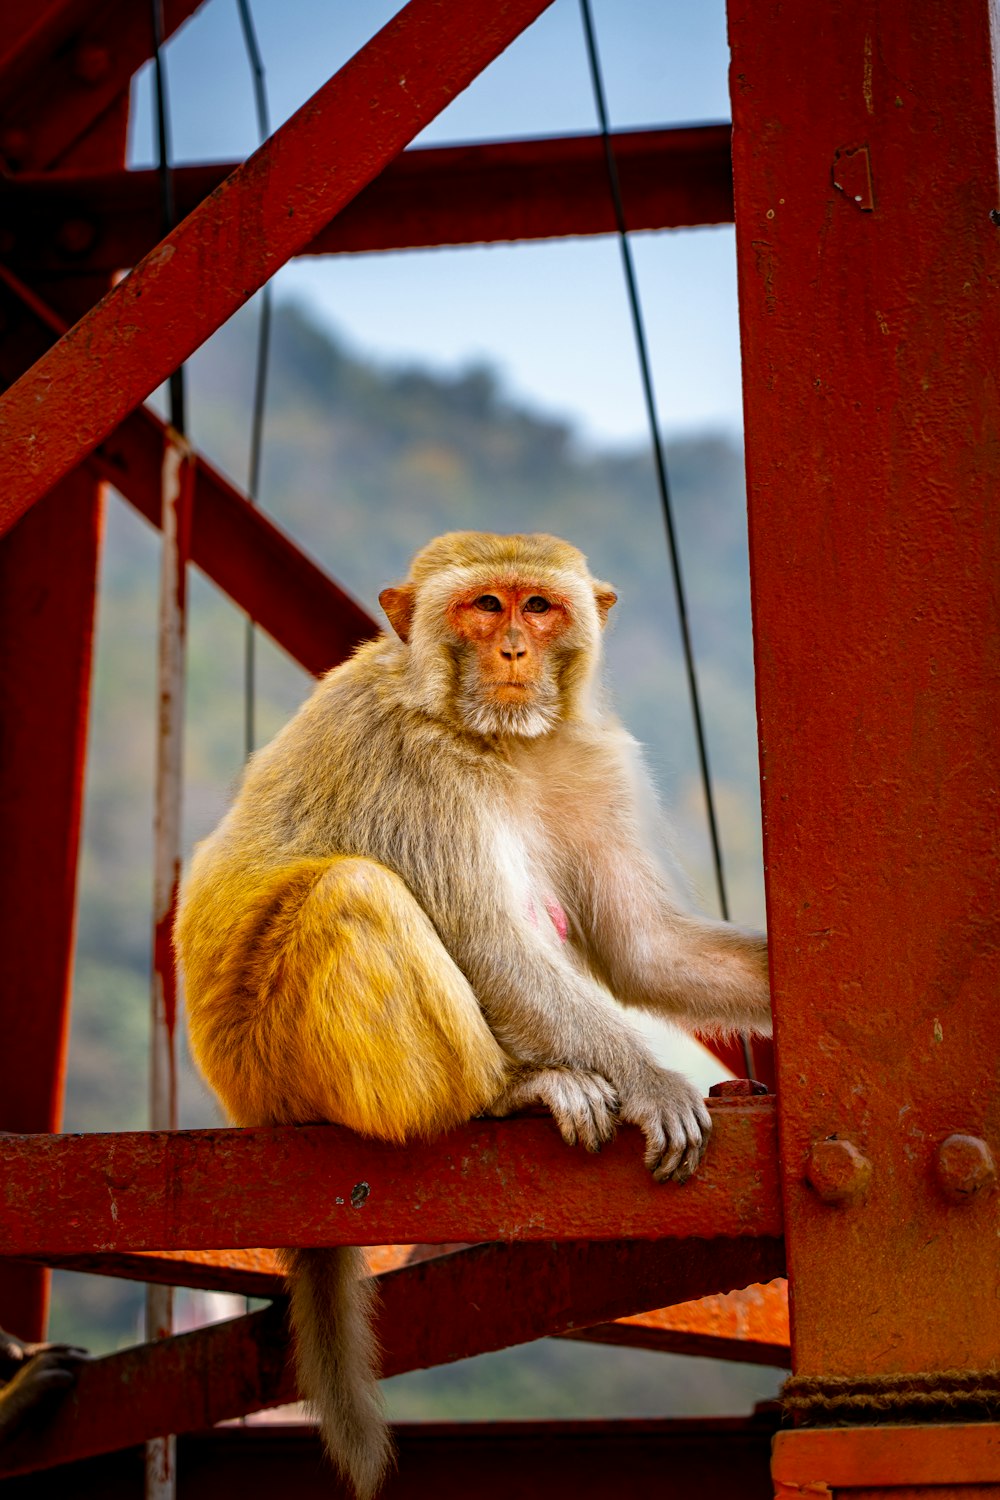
(871, 335)
(48, 570)
(63, 66)
(430, 1314)
(960, 1460)
(749, 1325)
(315, 1185)
(450, 1461)
(439, 195)
(48, 577)
(223, 252)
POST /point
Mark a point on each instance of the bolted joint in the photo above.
(964, 1167)
(837, 1171)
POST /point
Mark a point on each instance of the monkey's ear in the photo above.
(604, 597)
(398, 605)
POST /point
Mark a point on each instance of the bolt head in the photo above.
(737, 1088)
(838, 1171)
(964, 1167)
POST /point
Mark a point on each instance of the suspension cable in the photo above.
(176, 482)
(659, 464)
(261, 365)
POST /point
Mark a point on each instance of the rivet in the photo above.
(964, 1167)
(76, 236)
(838, 1171)
(92, 62)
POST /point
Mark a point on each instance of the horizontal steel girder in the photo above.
(440, 195)
(322, 1185)
(484, 1298)
(223, 252)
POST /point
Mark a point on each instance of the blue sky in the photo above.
(551, 317)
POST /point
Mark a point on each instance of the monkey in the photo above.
(434, 898)
(32, 1377)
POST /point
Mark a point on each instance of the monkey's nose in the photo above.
(513, 653)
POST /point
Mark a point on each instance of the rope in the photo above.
(867, 1397)
(660, 467)
(259, 381)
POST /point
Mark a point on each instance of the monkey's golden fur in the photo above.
(429, 888)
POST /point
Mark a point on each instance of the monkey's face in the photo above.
(508, 633)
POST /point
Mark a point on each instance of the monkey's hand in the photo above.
(583, 1105)
(673, 1117)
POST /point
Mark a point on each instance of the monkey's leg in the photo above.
(332, 998)
(584, 1105)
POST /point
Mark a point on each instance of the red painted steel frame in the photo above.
(316, 1185)
(223, 252)
(64, 65)
(483, 1298)
(870, 311)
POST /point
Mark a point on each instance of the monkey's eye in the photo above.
(490, 603)
(536, 605)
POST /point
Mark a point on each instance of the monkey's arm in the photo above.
(546, 1013)
(654, 955)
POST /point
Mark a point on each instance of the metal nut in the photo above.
(838, 1171)
(965, 1167)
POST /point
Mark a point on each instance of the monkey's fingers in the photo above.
(688, 1148)
(584, 1106)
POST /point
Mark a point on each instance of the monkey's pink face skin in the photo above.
(511, 626)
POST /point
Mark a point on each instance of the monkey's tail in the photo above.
(332, 1304)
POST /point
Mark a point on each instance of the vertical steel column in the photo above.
(865, 157)
(178, 491)
(48, 576)
(48, 567)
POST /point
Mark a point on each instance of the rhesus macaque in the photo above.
(432, 892)
(32, 1376)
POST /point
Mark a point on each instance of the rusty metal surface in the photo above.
(749, 1325)
(871, 339)
(853, 1458)
(314, 1185)
(438, 195)
(434, 1312)
(226, 249)
(674, 1460)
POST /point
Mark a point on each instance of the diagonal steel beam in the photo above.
(484, 1298)
(228, 248)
